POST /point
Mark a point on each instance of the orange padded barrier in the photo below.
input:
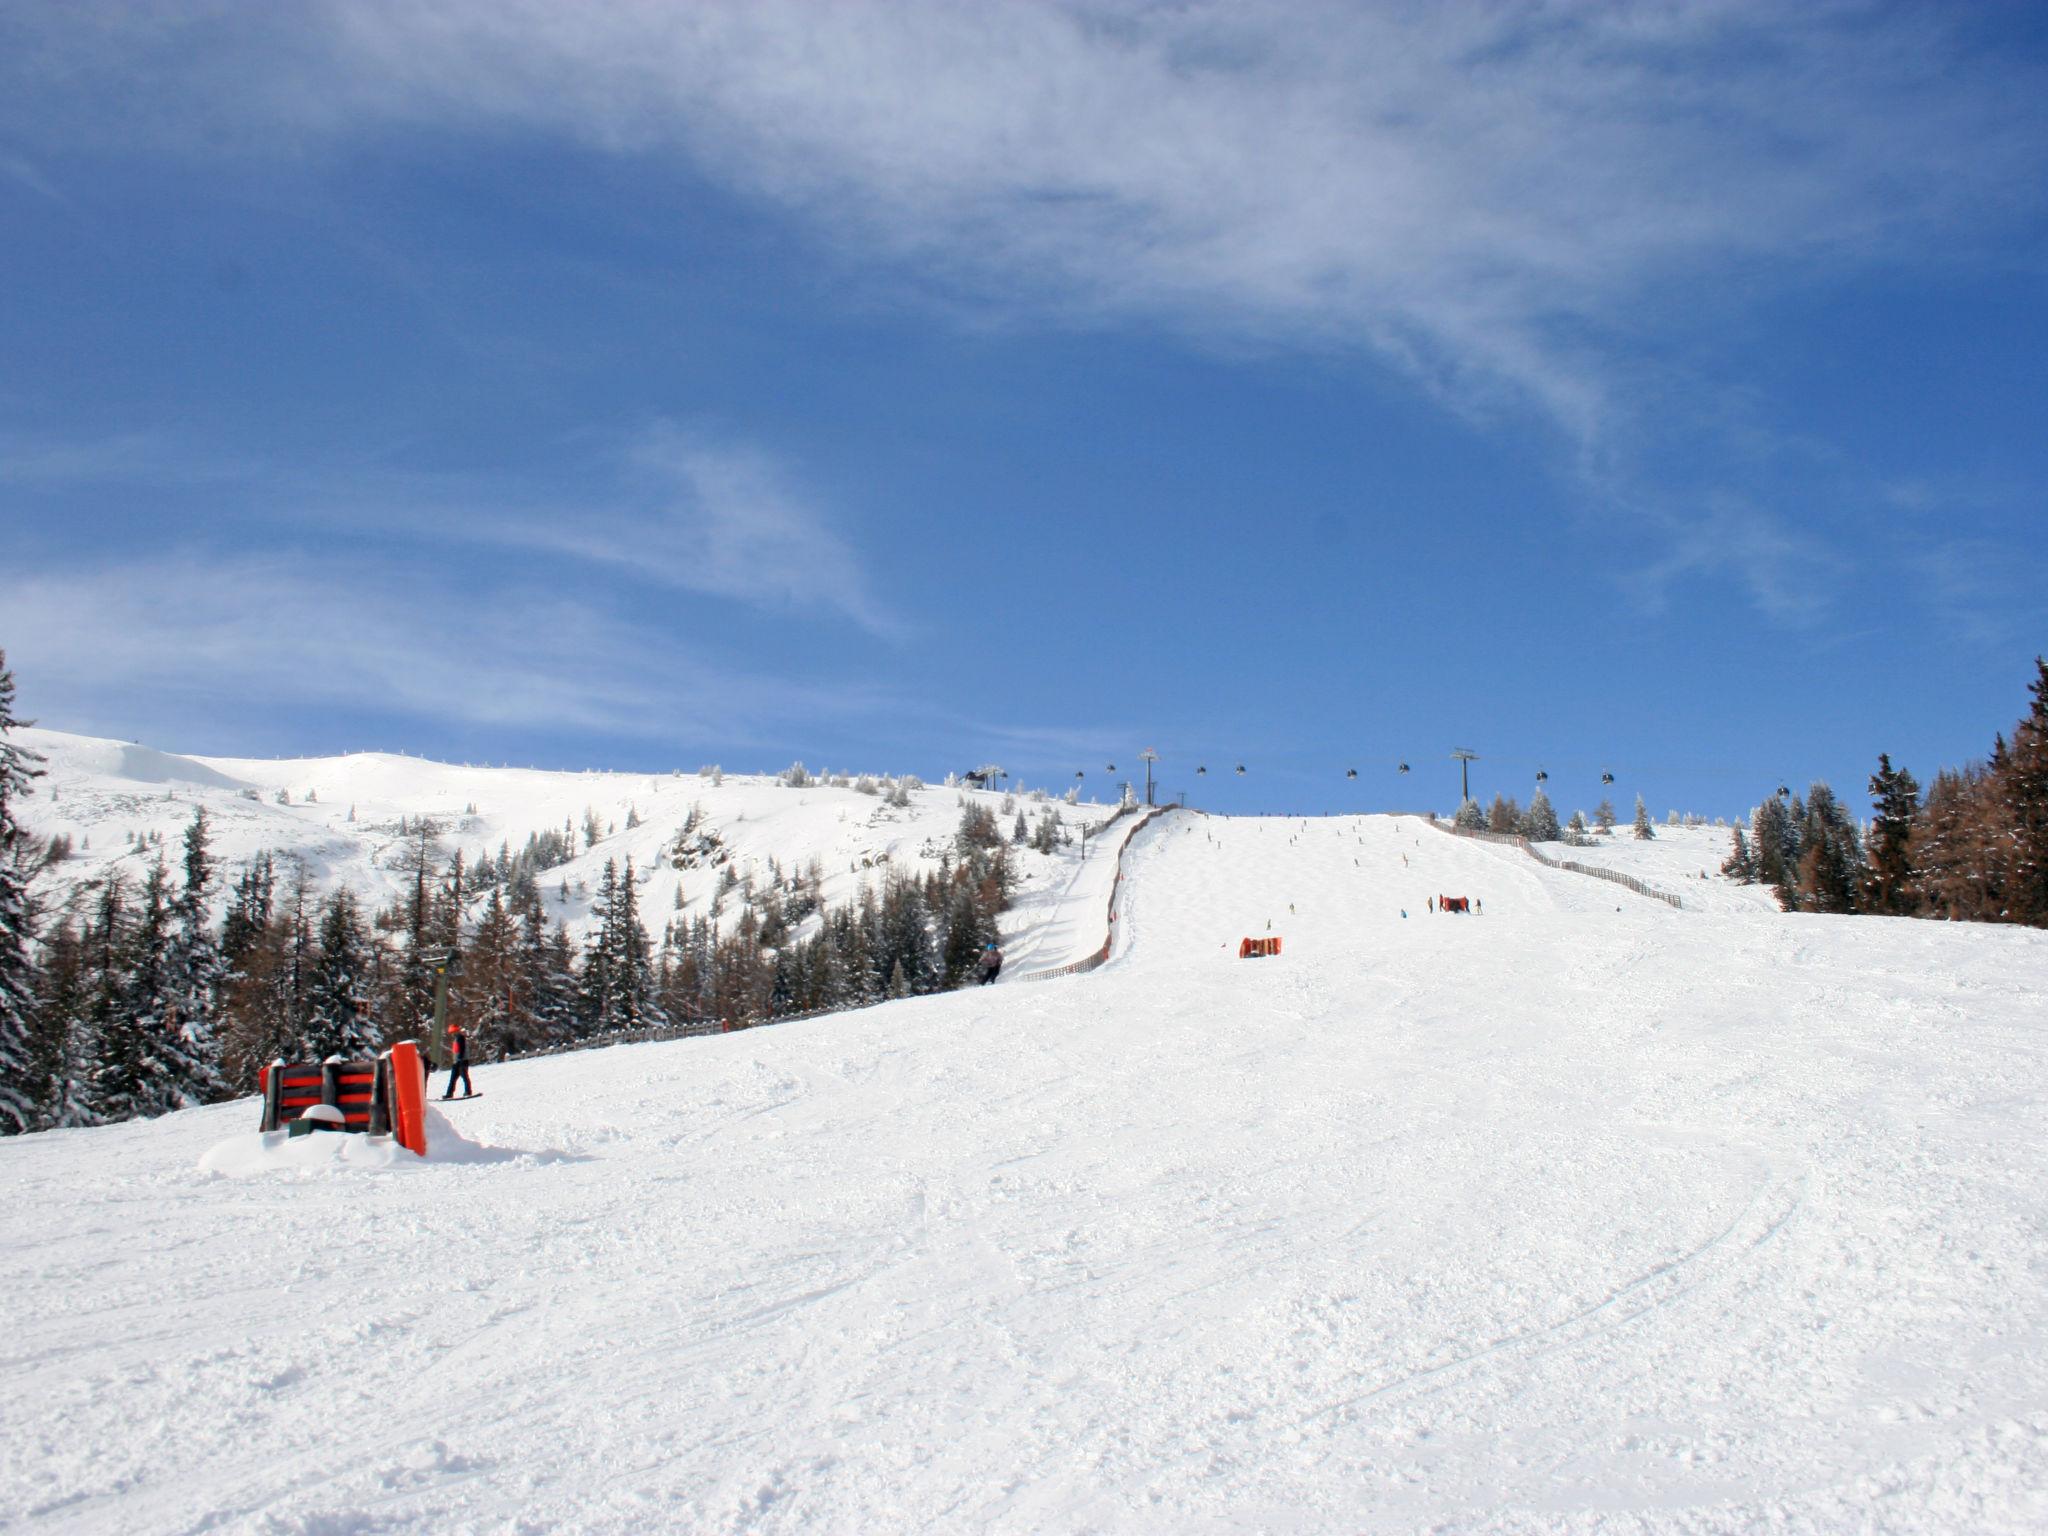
(1252, 949)
(409, 1097)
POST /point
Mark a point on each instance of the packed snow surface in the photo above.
(1562, 1218)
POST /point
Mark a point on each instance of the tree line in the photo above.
(130, 1001)
(1972, 848)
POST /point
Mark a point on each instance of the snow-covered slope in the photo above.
(1558, 1219)
(1686, 861)
(343, 817)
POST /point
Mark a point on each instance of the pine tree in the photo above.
(1539, 822)
(1603, 815)
(1740, 865)
(602, 983)
(501, 1024)
(118, 1066)
(22, 1097)
(1470, 817)
(1831, 855)
(1644, 830)
(1888, 885)
(412, 1005)
(197, 973)
(339, 1021)
(147, 1068)
(65, 1038)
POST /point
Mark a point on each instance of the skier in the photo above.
(991, 964)
(458, 1066)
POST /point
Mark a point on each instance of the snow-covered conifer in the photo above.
(1644, 829)
(197, 971)
(339, 1020)
(21, 1096)
(1539, 822)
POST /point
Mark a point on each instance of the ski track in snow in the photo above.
(1562, 1218)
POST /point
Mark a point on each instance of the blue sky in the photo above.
(1653, 389)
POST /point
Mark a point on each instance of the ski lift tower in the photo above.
(1464, 757)
(1150, 758)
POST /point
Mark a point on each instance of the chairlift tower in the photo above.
(1150, 758)
(1465, 757)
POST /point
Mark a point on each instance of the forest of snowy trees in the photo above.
(129, 1001)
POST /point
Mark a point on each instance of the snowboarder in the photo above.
(991, 964)
(458, 1064)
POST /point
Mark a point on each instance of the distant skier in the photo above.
(458, 1065)
(991, 964)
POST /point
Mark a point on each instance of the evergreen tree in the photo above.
(1603, 815)
(412, 1005)
(1888, 885)
(603, 983)
(147, 1067)
(1740, 865)
(66, 1044)
(22, 1097)
(1831, 855)
(501, 1024)
(197, 972)
(1539, 822)
(1470, 817)
(119, 1068)
(1644, 830)
(1773, 842)
(339, 1021)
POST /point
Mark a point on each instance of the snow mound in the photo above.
(259, 1152)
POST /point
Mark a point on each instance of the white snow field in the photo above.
(1562, 1218)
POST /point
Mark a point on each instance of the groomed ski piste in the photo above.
(1580, 1215)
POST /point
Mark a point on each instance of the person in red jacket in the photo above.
(458, 1065)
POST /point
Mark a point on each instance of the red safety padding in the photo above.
(409, 1098)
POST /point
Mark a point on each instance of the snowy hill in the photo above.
(1560, 1219)
(343, 816)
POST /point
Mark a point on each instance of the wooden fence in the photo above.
(1089, 962)
(1523, 843)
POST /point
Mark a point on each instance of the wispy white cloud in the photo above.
(1493, 197)
(286, 632)
(671, 508)
(723, 520)
(1790, 575)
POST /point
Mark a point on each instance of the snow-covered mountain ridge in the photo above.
(344, 817)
